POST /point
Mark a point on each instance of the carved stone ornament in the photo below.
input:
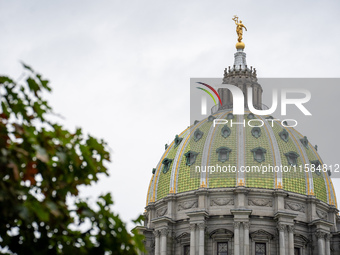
(260, 202)
(281, 227)
(295, 206)
(184, 237)
(291, 228)
(236, 225)
(187, 205)
(328, 237)
(320, 234)
(164, 231)
(246, 225)
(221, 202)
(162, 211)
(156, 233)
(221, 233)
(201, 225)
(261, 234)
(321, 214)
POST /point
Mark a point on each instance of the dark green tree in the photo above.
(41, 165)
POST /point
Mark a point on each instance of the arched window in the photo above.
(198, 134)
(304, 141)
(211, 118)
(256, 132)
(223, 153)
(225, 131)
(284, 135)
(178, 140)
(251, 116)
(258, 154)
(292, 158)
(166, 165)
(190, 157)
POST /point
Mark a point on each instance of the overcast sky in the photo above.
(121, 69)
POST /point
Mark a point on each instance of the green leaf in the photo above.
(27, 67)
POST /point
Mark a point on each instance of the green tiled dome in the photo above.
(226, 146)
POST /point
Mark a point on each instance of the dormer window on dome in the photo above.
(292, 158)
(258, 154)
(251, 116)
(190, 157)
(317, 166)
(166, 165)
(256, 132)
(284, 135)
(177, 140)
(198, 134)
(225, 131)
(211, 118)
(223, 153)
(304, 141)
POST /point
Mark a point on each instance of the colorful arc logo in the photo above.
(213, 90)
(204, 104)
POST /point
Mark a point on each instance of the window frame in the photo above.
(220, 242)
(261, 236)
(265, 246)
(184, 246)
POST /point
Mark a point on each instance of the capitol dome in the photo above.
(271, 156)
(223, 187)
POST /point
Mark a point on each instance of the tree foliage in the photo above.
(41, 165)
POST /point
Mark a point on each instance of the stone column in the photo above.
(192, 239)
(291, 240)
(246, 238)
(237, 238)
(164, 234)
(321, 242)
(328, 246)
(281, 228)
(157, 248)
(201, 227)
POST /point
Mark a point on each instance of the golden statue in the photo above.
(239, 31)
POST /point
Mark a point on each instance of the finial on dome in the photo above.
(203, 185)
(240, 45)
(239, 30)
(240, 183)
